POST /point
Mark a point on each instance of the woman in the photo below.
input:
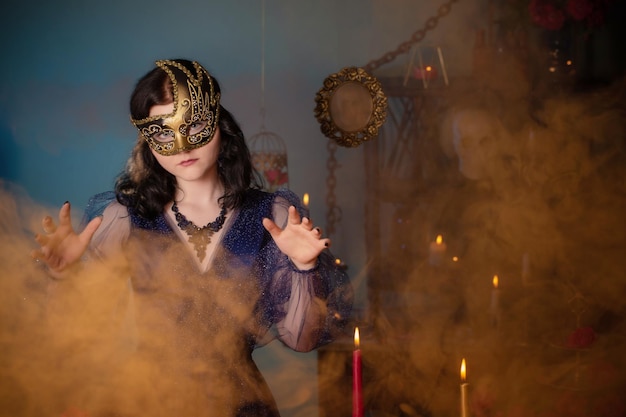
(214, 265)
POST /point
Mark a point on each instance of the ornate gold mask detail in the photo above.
(194, 119)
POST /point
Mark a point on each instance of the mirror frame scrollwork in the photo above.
(351, 107)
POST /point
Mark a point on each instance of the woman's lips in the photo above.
(188, 162)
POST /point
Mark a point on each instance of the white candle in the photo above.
(464, 387)
(437, 251)
(495, 300)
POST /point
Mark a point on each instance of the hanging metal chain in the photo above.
(418, 35)
(333, 213)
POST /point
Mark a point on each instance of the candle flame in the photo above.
(495, 281)
(439, 239)
(357, 341)
(463, 371)
(338, 261)
(455, 259)
(305, 199)
(429, 68)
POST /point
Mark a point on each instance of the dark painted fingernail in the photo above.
(326, 244)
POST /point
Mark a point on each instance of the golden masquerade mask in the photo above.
(194, 119)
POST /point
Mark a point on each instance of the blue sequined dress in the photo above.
(188, 334)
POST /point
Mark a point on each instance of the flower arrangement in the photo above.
(553, 14)
(276, 178)
(581, 338)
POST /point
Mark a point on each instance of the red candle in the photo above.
(357, 393)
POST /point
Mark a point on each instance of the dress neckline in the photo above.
(212, 249)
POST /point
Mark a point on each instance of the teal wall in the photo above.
(69, 67)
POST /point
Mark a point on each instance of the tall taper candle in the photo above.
(495, 302)
(464, 385)
(357, 389)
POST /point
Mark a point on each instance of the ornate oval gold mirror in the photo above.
(350, 107)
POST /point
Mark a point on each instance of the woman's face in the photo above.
(195, 164)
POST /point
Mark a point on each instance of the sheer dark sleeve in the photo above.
(310, 308)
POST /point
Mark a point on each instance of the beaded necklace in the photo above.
(199, 237)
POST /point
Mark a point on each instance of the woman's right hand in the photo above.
(60, 246)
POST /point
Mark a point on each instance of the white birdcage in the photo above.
(269, 157)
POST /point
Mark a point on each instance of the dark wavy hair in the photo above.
(146, 187)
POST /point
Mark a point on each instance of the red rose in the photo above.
(581, 338)
(276, 177)
(579, 9)
(546, 15)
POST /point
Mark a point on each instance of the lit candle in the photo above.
(357, 393)
(426, 73)
(341, 265)
(495, 300)
(305, 200)
(464, 385)
(437, 251)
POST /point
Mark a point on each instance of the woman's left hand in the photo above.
(299, 240)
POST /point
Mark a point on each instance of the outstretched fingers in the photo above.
(48, 225)
(65, 218)
(271, 227)
(89, 230)
(59, 245)
(294, 216)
